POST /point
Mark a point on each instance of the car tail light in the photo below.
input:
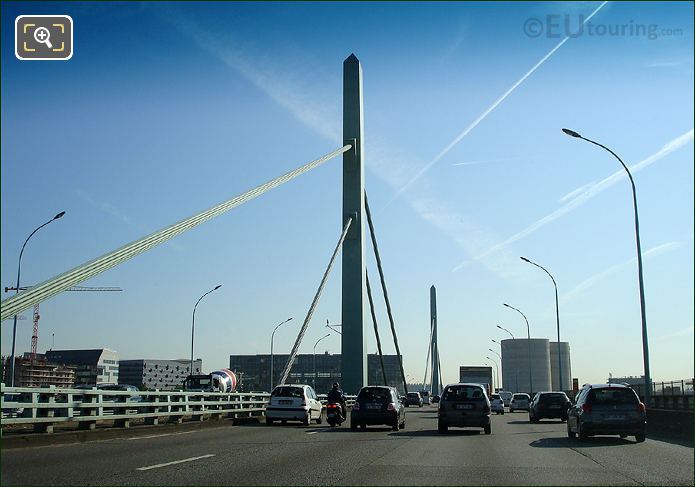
(333, 406)
(586, 408)
(304, 402)
(391, 407)
(356, 406)
(641, 408)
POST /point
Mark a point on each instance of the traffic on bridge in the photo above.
(354, 244)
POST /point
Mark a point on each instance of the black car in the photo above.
(607, 409)
(377, 405)
(546, 405)
(464, 405)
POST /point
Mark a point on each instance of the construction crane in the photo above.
(35, 333)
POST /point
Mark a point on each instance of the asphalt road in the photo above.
(517, 453)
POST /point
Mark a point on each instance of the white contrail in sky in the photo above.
(591, 190)
(482, 116)
(589, 282)
(488, 161)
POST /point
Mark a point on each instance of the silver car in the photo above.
(496, 404)
(293, 402)
(520, 401)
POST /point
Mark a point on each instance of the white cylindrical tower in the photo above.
(516, 362)
(566, 366)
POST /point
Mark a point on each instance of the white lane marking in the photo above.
(159, 436)
(312, 432)
(160, 465)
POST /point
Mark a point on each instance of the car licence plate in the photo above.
(373, 406)
(285, 402)
(464, 406)
(555, 406)
(615, 417)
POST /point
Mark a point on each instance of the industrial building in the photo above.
(543, 362)
(165, 375)
(254, 371)
(95, 366)
(36, 371)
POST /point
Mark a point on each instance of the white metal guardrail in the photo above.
(46, 407)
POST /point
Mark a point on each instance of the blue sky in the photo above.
(166, 109)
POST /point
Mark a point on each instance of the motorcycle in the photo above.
(334, 414)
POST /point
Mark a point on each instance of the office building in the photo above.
(165, 375)
(254, 371)
(94, 366)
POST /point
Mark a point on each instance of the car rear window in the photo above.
(520, 396)
(495, 396)
(463, 393)
(288, 392)
(375, 394)
(554, 398)
(413, 394)
(612, 396)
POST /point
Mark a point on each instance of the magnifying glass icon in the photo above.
(43, 36)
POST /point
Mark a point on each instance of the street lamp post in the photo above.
(645, 344)
(510, 333)
(493, 374)
(331, 326)
(19, 268)
(557, 317)
(190, 372)
(528, 331)
(317, 342)
(272, 337)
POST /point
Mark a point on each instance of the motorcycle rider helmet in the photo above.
(336, 386)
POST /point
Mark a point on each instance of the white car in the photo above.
(519, 401)
(293, 402)
(496, 404)
(506, 397)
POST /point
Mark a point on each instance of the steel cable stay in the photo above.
(429, 351)
(23, 300)
(310, 313)
(376, 328)
(383, 288)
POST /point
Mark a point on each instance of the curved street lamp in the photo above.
(528, 331)
(19, 268)
(510, 333)
(498, 373)
(557, 316)
(317, 342)
(190, 372)
(272, 337)
(643, 313)
(499, 377)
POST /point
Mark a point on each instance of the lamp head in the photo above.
(571, 133)
(525, 259)
(59, 215)
(217, 287)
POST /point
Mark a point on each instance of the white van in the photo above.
(506, 397)
(425, 395)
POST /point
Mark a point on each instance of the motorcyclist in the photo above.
(336, 396)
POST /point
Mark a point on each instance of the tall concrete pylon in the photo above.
(433, 345)
(354, 309)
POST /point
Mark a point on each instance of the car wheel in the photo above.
(394, 426)
(269, 421)
(307, 420)
(442, 428)
(402, 425)
(319, 420)
(488, 429)
(284, 421)
(353, 426)
(639, 438)
(363, 426)
(502, 413)
(623, 435)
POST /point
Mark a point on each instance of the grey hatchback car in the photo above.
(607, 409)
(464, 405)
